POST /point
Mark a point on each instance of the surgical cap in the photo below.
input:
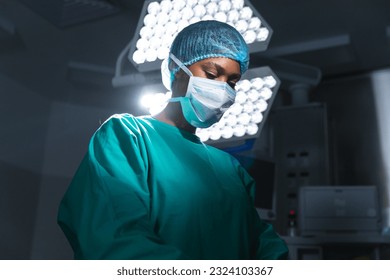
(206, 39)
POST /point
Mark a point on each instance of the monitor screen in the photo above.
(263, 172)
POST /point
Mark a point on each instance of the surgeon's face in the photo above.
(216, 68)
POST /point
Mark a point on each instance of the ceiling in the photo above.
(66, 50)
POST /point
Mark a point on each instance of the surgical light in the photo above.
(155, 102)
(244, 119)
(160, 21)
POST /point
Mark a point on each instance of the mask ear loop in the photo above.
(180, 64)
(184, 68)
(165, 74)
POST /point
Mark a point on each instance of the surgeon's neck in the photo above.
(173, 115)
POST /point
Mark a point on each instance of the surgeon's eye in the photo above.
(211, 75)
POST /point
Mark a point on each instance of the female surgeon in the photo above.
(148, 188)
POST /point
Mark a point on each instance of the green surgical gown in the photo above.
(148, 190)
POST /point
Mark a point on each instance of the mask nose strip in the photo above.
(223, 110)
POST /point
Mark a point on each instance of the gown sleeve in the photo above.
(105, 211)
(269, 245)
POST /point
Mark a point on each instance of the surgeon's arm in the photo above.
(270, 246)
(105, 212)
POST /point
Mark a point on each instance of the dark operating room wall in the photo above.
(23, 119)
(41, 144)
(19, 190)
(69, 130)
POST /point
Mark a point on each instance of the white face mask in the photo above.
(205, 101)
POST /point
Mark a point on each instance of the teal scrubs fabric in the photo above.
(148, 190)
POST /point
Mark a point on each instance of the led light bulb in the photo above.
(203, 134)
(162, 53)
(191, 3)
(241, 26)
(208, 17)
(159, 31)
(146, 32)
(215, 134)
(233, 16)
(178, 5)
(265, 93)
(203, 2)
(227, 132)
(239, 130)
(244, 118)
(231, 120)
(261, 105)
(220, 16)
(257, 83)
(162, 19)
(252, 129)
(170, 28)
(244, 85)
(246, 13)
(166, 6)
(237, 4)
(150, 20)
(155, 43)
(199, 11)
(262, 34)
(253, 95)
(269, 81)
(224, 6)
(151, 55)
(218, 125)
(254, 23)
(193, 20)
(139, 57)
(222, 122)
(142, 44)
(174, 16)
(167, 40)
(187, 13)
(235, 109)
(182, 24)
(241, 97)
(212, 8)
(146, 100)
(249, 36)
(153, 8)
(157, 103)
(256, 116)
(248, 107)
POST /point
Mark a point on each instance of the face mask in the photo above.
(205, 101)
